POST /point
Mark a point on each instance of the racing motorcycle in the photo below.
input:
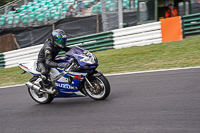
(77, 79)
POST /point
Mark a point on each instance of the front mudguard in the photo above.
(94, 73)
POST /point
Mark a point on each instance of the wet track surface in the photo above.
(159, 102)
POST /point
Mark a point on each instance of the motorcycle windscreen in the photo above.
(75, 50)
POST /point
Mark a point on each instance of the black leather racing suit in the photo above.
(47, 56)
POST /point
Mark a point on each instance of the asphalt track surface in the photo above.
(157, 102)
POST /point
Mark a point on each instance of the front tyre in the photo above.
(101, 87)
(43, 99)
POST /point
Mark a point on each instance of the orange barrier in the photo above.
(171, 29)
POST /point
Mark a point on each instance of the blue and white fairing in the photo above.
(85, 59)
(30, 67)
(85, 62)
(64, 88)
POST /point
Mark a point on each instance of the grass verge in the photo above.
(178, 54)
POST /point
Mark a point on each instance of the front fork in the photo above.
(86, 79)
(93, 73)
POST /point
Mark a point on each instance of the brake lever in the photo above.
(71, 60)
(66, 66)
(65, 70)
(70, 64)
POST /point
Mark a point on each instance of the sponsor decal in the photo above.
(77, 78)
(48, 52)
(25, 67)
(66, 86)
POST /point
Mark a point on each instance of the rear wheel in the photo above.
(43, 98)
(100, 89)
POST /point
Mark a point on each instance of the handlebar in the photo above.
(69, 65)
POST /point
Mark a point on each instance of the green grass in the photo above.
(185, 53)
(13, 76)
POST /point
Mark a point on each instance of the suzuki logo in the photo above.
(66, 86)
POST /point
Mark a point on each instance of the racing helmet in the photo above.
(59, 38)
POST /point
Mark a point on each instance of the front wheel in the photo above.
(100, 89)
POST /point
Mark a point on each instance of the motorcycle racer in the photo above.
(49, 51)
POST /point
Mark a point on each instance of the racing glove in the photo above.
(62, 65)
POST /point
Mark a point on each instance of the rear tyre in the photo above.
(101, 88)
(43, 99)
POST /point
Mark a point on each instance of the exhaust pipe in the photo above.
(38, 89)
(32, 86)
(51, 91)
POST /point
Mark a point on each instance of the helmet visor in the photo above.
(62, 40)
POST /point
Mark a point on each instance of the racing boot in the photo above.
(46, 83)
(46, 86)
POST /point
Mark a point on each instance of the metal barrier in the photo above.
(137, 35)
(2, 62)
(190, 24)
(94, 42)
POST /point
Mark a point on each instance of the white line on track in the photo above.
(11, 86)
(150, 71)
(161, 70)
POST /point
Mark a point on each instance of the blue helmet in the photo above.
(59, 38)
